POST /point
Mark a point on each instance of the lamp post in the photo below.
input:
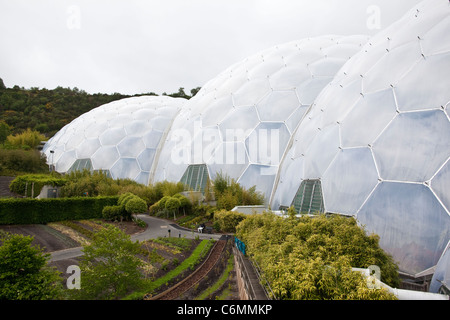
(51, 161)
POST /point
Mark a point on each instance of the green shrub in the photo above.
(113, 213)
(18, 161)
(123, 198)
(227, 220)
(229, 193)
(127, 205)
(311, 257)
(135, 205)
(27, 139)
(172, 203)
(162, 202)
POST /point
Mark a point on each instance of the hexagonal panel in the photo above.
(411, 223)
(441, 185)
(432, 42)
(413, 146)
(94, 129)
(152, 138)
(120, 120)
(267, 143)
(130, 147)
(308, 90)
(326, 67)
(65, 161)
(145, 159)
(321, 152)
(125, 168)
(73, 141)
(379, 107)
(413, 93)
(112, 136)
(349, 180)
(290, 77)
(237, 124)
(159, 123)
(229, 158)
(278, 105)
(291, 175)
(87, 148)
(379, 79)
(251, 92)
(260, 176)
(217, 111)
(137, 127)
(104, 157)
(143, 178)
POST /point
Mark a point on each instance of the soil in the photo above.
(203, 277)
(209, 280)
(50, 239)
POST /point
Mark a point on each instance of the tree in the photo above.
(172, 204)
(109, 268)
(24, 274)
(2, 84)
(5, 131)
(135, 205)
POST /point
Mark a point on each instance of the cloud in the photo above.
(139, 46)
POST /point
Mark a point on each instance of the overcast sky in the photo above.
(140, 46)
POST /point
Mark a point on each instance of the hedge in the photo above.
(34, 211)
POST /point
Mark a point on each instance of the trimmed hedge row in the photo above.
(34, 211)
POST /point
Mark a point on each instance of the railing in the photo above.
(250, 291)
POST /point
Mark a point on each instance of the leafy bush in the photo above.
(229, 193)
(135, 205)
(18, 161)
(312, 257)
(26, 140)
(172, 204)
(113, 213)
(24, 273)
(127, 205)
(227, 220)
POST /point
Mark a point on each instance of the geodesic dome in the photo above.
(241, 121)
(121, 138)
(376, 142)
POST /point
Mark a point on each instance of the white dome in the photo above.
(378, 139)
(121, 137)
(340, 124)
(241, 121)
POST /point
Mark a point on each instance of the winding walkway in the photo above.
(156, 227)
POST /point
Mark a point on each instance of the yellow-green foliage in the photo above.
(228, 220)
(25, 183)
(229, 193)
(312, 257)
(27, 139)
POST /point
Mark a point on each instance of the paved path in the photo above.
(4, 187)
(155, 228)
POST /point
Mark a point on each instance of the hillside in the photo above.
(47, 111)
